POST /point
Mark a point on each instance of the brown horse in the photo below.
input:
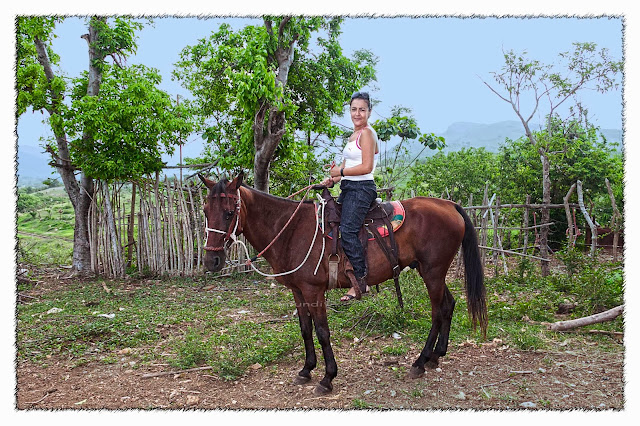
(428, 240)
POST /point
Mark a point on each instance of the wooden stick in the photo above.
(513, 252)
(592, 319)
(567, 211)
(49, 392)
(594, 233)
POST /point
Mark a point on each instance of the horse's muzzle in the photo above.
(214, 260)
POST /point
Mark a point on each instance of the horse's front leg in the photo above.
(318, 310)
(306, 328)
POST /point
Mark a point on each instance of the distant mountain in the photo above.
(33, 166)
(490, 136)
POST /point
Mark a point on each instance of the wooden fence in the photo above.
(159, 230)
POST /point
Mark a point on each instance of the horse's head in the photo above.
(222, 213)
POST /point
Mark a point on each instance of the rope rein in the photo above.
(232, 235)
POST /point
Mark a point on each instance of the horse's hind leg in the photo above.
(317, 308)
(448, 304)
(306, 328)
(442, 304)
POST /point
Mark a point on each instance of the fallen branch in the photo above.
(168, 373)
(593, 319)
(49, 392)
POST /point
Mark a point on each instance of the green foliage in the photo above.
(575, 153)
(457, 174)
(120, 133)
(117, 39)
(233, 76)
(192, 351)
(31, 83)
(395, 163)
(594, 287)
(27, 202)
(131, 122)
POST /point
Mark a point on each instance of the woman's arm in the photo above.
(368, 145)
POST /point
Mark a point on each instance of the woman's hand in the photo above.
(329, 182)
(335, 172)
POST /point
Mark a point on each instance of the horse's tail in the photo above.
(474, 275)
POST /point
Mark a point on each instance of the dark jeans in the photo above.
(356, 198)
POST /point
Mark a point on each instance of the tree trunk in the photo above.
(571, 227)
(592, 226)
(130, 228)
(545, 213)
(79, 193)
(81, 247)
(266, 140)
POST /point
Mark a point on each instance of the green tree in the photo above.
(106, 124)
(458, 174)
(264, 90)
(132, 123)
(579, 154)
(531, 88)
(396, 161)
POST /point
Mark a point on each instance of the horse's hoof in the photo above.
(432, 364)
(416, 372)
(321, 390)
(301, 380)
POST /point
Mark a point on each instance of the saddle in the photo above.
(379, 223)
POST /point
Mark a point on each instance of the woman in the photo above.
(357, 187)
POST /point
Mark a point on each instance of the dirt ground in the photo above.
(490, 376)
(576, 375)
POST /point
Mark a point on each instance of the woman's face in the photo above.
(360, 112)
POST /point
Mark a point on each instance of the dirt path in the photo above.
(489, 376)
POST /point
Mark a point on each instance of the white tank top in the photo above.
(352, 156)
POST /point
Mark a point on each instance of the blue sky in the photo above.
(432, 65)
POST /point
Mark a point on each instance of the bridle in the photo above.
(234, 227)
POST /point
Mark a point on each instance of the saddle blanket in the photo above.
(396, 219)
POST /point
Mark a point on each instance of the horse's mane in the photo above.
(221, 187)
(274, 197)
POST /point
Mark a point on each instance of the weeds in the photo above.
(243, 321)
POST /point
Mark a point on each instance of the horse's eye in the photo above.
(228, 215)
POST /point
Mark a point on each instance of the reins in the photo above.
(308, 188)
(229, 234)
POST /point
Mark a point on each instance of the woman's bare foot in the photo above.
(351, 294)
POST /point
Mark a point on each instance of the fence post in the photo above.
(570, 224)
(594, 231)
(616, 220)
(483, 224)
(494, 219)
(525, 219)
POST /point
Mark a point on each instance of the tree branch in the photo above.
(282, 25)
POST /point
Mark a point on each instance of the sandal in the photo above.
(347, 298)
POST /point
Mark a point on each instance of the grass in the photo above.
(245, 321)
(45, 228)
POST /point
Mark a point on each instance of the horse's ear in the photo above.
(208, 183)
(238, 180)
